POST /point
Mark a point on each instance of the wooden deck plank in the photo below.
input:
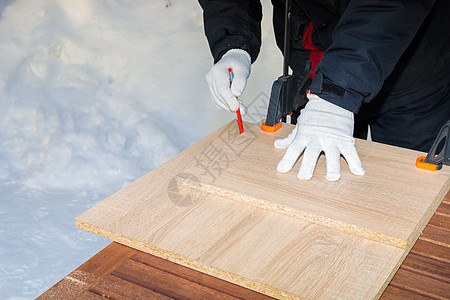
(444, 208)
(395, 293)
(165, 283)
(437, 235)
(81, 279)
(432, 250)
(441, 221)
(113, 287)
(87, 295)
(198, 277)
(427, 266)
(421, 284)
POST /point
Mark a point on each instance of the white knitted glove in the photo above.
(218, 78)
(321, 126)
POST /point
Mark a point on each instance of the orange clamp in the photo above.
(268, 128)
(424, 165)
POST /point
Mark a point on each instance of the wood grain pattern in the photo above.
(432, 250)
(264, 250)
(420, 283)
(391, 203)
(90, 296)
(198, 277)
(80, 280)
(399, 293)
(427, 266)
(440, 220)
(444, 208)
(112, 287)
(436, 234)
(165, 283)
(106, 285)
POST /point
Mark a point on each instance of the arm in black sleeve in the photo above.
(232, 24)
(367, 43)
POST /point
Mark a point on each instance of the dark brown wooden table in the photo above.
(120, 272)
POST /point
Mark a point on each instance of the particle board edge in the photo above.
(305, 216)
(184, 261)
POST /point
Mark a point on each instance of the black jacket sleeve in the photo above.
(232, 24)
(368, 41)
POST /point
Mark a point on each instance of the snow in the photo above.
(93, 95)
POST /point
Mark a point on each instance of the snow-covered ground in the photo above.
(94, 94)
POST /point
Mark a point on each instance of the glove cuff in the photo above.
(240, 55)
(319, 104)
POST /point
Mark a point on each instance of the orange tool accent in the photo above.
(270, 128)
(426, 166)
(439, 153)
(238, 112)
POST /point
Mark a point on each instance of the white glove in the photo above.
(321, 126)
(218, 78)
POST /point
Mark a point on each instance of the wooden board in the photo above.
(274, 253)
(386, 204)
(120, 272)
(101, 275)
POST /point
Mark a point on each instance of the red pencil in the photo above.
(238, 112)
(239, 119)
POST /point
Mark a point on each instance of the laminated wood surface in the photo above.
(103, 275)
(260, 244)
(388, 204)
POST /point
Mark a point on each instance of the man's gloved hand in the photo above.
(321, 126)
(218, 79)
